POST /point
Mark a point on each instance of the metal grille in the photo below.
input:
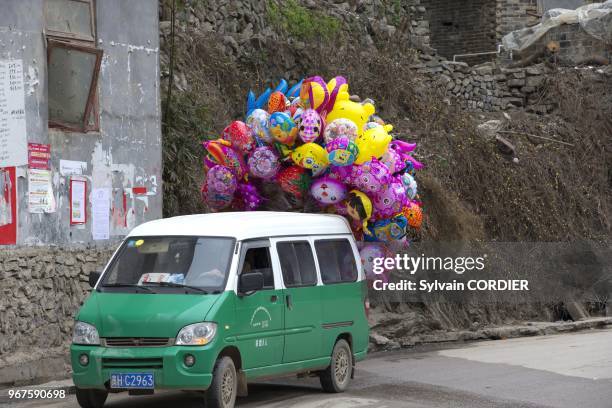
(132, 363)
(137, 341)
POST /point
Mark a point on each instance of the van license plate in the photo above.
(132, 380)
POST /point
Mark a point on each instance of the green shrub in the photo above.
(295, 20)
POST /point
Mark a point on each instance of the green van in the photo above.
(210, 302)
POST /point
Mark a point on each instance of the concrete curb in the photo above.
(379, 342)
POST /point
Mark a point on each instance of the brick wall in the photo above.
(462, 27)
(515, 14)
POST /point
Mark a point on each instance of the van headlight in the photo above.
(85, 334)
(198, 334)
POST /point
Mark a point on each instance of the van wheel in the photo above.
(91, 398)
(337, 376)
(222, 391)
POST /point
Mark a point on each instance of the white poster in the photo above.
(78, 204)
(13, 138)
(100, 212)
(40, 192)
(72, 168)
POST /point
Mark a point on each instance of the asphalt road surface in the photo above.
(566, 371)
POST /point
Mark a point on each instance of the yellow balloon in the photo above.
(319, 95)
(347, 109)
(311, 156)
(373, 143)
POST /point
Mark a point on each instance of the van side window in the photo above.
(297, 263)
(258, 260)
(336, 261)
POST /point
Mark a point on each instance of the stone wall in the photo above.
(462, 27)
(488, 87)
(41, 289)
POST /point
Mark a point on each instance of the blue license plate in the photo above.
(132, 380)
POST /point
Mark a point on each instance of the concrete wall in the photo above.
(126, 152)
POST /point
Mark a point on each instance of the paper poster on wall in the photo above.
(72, 167)
(8, 206)
(39, 155)
(13, 139)
(100, 213)
(40, 192)
(78, 203)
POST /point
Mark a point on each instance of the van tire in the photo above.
(91, 398)
(223, 389)
(337, 376)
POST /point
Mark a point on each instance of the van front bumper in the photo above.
(166, 363)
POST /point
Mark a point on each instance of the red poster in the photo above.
(39, 155)
(8, 206)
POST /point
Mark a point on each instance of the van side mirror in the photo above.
(93, 277)
(250, 282)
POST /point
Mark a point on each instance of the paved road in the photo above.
(565, 371)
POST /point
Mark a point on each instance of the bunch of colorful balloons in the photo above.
(315, 141)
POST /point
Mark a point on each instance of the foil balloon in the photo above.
(314, 93)
(359, 208)
(369, 177)
(221, 180)
(414, 214)
(388, 230)
(311, 156)
(216, 200)
(368, 254)
(373, 143)
(249, 197)
(341, 173)
(294, 180)
(277, 102)
(334, 88)
(310, 126)
(240, 136)
(220, 152)
(404, 149)
(393, 160)
(283, 128)
(410, 185)
(390, 200)
(263, 162)
(341, 151)
(356, 112)
(258, 122)
(327, 190)
(340, 128)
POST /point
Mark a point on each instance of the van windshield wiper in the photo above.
(177, 285)
(126, 285)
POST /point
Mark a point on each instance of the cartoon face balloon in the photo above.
(258, 122)
(311, 156)
(216, 200)
(345, 108)
(327, 190)
(283, 128)
(240, 136)
(341, 151)
(370, 177)
(310, 126)
(390, 200)
(373, 143)
(388, 230)
(393, 160)
(263, 162)
(368, 254)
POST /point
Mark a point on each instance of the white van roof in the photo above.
(245, 225)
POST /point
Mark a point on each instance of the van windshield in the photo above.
(168, 264)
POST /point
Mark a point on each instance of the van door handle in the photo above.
(273, 298)
(288, 298)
